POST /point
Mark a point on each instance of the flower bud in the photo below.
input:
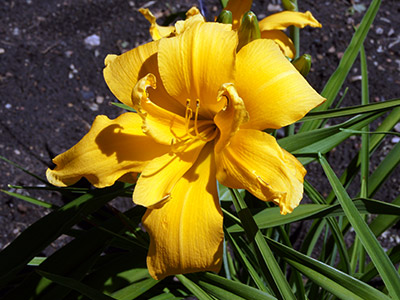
(225, 17)
(248, 30)
(303, 64)
(289, 5)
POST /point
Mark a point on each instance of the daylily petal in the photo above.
(254, 161)
(238, 8)
(156, 31)
(192, 18)
(123, 72)
(186, 232)
(274, 92)
(284, 19)
(229, 119)
(162, 173)
(194, 64)
(193, 11)
(283, 41)
(111, 149)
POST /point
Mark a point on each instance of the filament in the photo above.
(197, 134)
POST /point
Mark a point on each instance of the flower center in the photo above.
(204, 130)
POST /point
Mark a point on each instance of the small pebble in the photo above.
(15, 31)
(99, 99)
(395, 139)
(17, 152)
(355, 78)
(125, 44)
(379, 30)
(395, 42)
(94, 106)
(274, 8)
(92, 40)
(8, 106)
(150, 3)
(391, 32)
(2, 51)
(73, 69)
(22, 208)
(385, 20)
(397, 127)
(68, 53)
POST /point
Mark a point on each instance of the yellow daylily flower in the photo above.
(271, 26)
(201, 108)
(157, 31)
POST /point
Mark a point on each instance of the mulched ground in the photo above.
(51, 84)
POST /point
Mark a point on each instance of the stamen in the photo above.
(180, 146)
(188, 117)
(197, 134)
(196, 114)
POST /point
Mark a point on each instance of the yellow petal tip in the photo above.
(109, 59)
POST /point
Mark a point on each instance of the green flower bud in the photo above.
(303, 64)
(225, 17)
(289, 5)
(248, 30)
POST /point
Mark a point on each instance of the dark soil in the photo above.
(51, 83)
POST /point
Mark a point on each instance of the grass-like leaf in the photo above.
(336, 80)
(270, 217)
(240, 289)
(255, 235)
(324, 139)
(135, 290)
(244, 259)
(77, 286)
(24, 170)
(381, 261)
(123, 106)
(194, 288)
(39, 235)
(385, 168)
(352, 110)
(361, 289)
(350, 172)
(31, 200)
